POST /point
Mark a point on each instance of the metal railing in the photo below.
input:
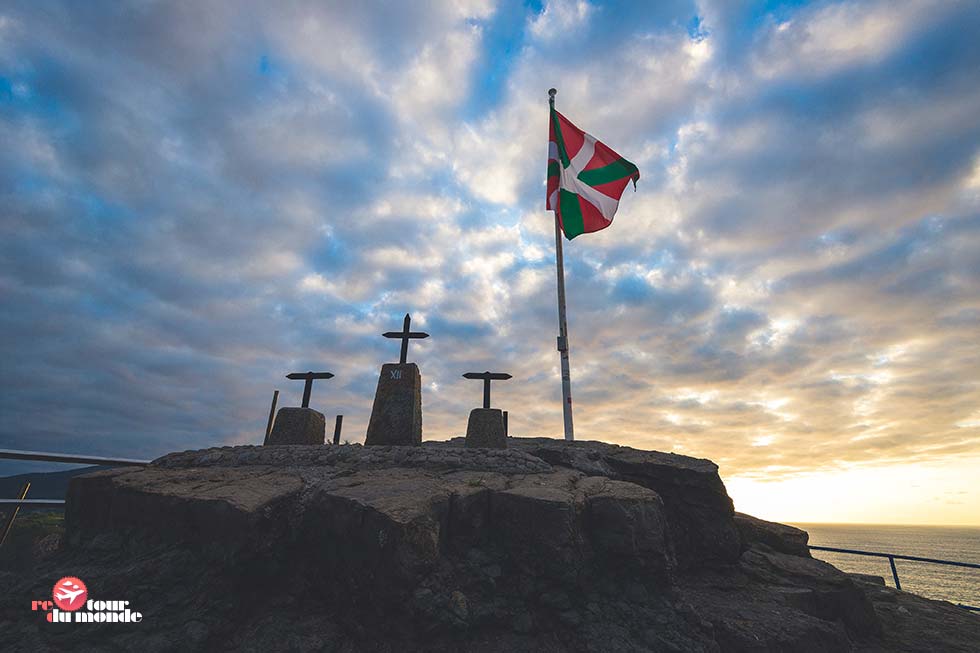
(41, 456)
(892, 557)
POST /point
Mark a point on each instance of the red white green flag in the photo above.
(585, 178)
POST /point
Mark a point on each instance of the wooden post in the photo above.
(336, 429)
(506, 432)
(13, 513)
(272, 417)
(566, 376)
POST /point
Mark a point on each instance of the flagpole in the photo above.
(566, 377)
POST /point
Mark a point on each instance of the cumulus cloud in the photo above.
(199, 198)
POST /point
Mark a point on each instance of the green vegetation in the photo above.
(21, 548)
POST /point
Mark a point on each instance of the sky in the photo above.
(197, 198)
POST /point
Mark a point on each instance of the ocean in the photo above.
(960, 543)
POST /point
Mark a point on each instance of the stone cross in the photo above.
(396, 417)
(487, 377)
(405, 336)
(309, 377)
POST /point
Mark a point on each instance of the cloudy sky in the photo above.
(199, 197)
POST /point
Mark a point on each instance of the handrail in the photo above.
(892, 557)
(898, 556)
(42, 456)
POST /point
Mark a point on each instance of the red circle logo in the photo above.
(70, 593)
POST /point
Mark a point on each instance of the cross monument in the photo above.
(486, 425)
(396, 417)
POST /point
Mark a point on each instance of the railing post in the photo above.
(272, 417)
(13, 513)
(891, 561)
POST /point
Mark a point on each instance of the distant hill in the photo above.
(44, 485)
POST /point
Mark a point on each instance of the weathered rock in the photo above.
(777, 601)
(396, 417)
(348, 458)
(818, 588)
(486, 429)
(779, 537)
(207, 505)
(443, 548)
(628, 526)
(867, 578)
(698, 508)
(913, 623)
(298, 426)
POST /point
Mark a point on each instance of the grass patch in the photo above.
(29, 527)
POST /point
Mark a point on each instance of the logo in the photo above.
(72, 605)
(70, 593)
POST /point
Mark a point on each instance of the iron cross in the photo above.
(405, 336)
(487, 377)
(308, 377)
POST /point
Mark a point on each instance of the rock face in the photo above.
(779, 537)
(700, 512)
(298, 426)
(485, 428)
(544, 546)
(396, 417)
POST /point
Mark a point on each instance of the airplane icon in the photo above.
(68, 594)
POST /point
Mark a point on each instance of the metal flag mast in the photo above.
(566, 377)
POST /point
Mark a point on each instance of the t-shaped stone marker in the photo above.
(309, 377)
(300, 425)
(486, 425)
(487, 378)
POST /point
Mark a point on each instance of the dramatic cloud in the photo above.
(197, 198)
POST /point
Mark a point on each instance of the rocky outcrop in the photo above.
(544, 546)
(361, 516)
(779, 537)
(698, 507)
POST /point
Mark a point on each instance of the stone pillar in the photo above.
(396, 417)
(298, 426)
(486, 429)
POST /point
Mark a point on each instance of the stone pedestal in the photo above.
(298, 426)
(486, 429)
(397, 414)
